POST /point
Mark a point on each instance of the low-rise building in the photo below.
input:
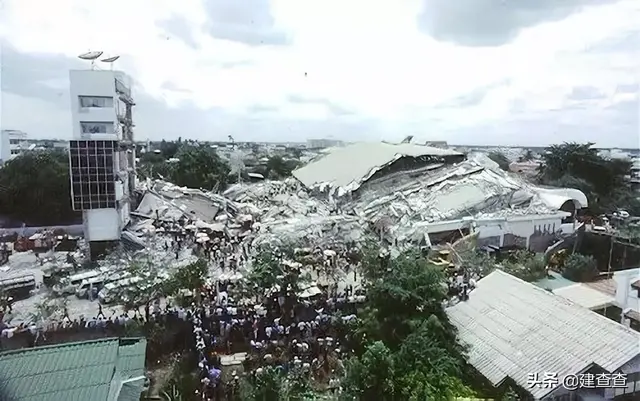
(111, 369)
(323, 143)
(543, 342)
(12, 144)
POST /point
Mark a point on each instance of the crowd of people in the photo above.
(226, 252)
(285, 332)
(283, 328)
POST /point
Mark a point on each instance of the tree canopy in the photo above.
(199, 167)
(153, 165)
(501, 159)
(527, 156)
(35, 187)
(602, 180)
(170, 149)
(406, 348)
(278, 168)
(581, 268)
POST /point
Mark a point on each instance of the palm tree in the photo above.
(172, 394)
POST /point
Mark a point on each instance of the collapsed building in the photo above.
(405, 193)
(413, 193)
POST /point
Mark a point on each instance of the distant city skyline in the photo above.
(637, 149)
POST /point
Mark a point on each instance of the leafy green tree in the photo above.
(371, 376)
(153, 165)
(190, 277)
(182, 382)
(266, 271)
(278, 168)
(406, 348)
(603, 181)
(501, 159)
(569, 181)
(430, 365)
(525, 265)
(200, 167)
(35, 189)
(273, 384)
(171, 148)
(296, 152)
(580, 268)
(527, 156)
(410, 289)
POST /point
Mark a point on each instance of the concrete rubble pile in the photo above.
(287, 214)
(276, 212)
(252, 215)
(173, 226)
(269, 212)
(474, 188)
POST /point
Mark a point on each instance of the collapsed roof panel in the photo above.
(349, 166)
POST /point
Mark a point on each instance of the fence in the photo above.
(163, 338)
(75, 230)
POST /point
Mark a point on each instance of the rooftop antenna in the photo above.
(91, 56)
(110, 60)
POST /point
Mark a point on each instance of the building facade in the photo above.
(102, 154)
(12, 143)
(634, 179)
(323, 143)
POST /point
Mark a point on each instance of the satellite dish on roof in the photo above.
(91, 56)
(110, 60)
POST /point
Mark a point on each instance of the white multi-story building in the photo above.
(102, 154)
(12, 143)
(323, 143)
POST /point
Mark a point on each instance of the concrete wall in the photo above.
(75, 230)
(5, 148)
(103, 224)
(533, 234)
(93, 83)
(162, 339)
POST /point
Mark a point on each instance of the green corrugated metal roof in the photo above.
(131, 357)
(78, 371)
(131, 391)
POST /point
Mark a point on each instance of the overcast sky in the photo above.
(511, 72)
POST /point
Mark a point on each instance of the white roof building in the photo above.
(515, 329)
(585, 296)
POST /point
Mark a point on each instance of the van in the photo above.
(18, 287)
(94, 283)
(111, 290)
(69, 285)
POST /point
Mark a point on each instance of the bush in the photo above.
(580, 268)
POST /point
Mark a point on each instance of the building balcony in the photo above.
(124, 92)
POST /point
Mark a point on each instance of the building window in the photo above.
(15, 151)
(92, 174)
(631, 390)
(97, 128)
(96, 101)
(14, 141)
